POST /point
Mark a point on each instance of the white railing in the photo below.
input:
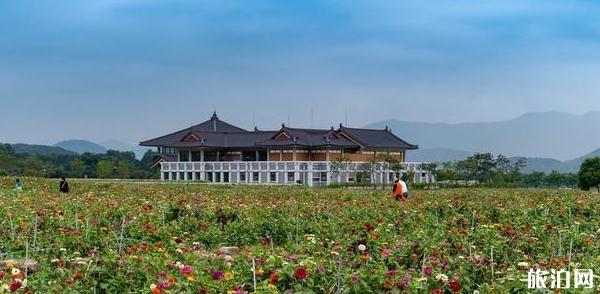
(314, 166)
(285, 172)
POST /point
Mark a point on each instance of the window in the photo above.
(218, 177)
(273, 177)
(242, 176)
(184, 156)
(189, 176)
(262, 155)
(324, 177)
(196, 156)
(249, 156)
(210, 156)
(181, 176)
(197, 176)
(291, 177)
(255, 177)
(166, 175)
(209, 176)
(225, 177)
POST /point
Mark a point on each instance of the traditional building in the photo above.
(216, 151)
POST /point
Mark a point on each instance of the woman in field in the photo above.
(63, 186)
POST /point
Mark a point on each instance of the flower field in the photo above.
(174, 238)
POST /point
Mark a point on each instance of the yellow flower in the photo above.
(191, 278)
(228, 276)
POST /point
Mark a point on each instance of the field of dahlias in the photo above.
(174, 238)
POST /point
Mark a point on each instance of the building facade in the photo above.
(218, 152)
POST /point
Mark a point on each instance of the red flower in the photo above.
(301, 273)
(369, 227)
(15, 286)
(273, 278)
(455, 286)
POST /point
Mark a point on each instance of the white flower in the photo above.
(523, 264)
(16, 271)
(24, 283)
(442, 277)
(4, 287)
(362, 247)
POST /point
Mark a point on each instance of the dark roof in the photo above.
(215, 133)
(376, 138)
(308, 138)
(216, 139)
(214, 124)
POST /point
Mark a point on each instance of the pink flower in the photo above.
(293, 258)
(391, 273)
(217, 276)
(186, 270)
(354, 279)
(164, 284)
(428, 271)
(386, 252)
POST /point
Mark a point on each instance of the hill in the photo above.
(81, 146)
(40, 150)
(544, 134)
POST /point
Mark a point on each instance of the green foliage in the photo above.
(589, 174)
(106, 168)
(47, 163)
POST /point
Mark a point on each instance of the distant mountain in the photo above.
(547, 164)
(122, 146)
(40, 150)
(436, 155)
(544, 134)
(81, 146)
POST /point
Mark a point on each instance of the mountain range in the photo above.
(83, 146)
(541, 134)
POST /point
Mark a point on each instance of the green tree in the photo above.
(106, 168)
(77, 167)
(589, 174)
(338, 164)
(534, 179)
(554, 178)
(123, 169)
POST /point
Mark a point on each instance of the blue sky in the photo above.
(131, 70)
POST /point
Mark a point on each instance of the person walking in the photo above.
(63, 186)
(18, 184)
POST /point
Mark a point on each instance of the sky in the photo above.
(131, 70)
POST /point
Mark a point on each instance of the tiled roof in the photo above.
(376, 138)
(215, 133)
(307, 137)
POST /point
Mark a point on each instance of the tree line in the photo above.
(112, 164)
(489, 170)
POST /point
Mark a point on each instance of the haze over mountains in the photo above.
(550, 140)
